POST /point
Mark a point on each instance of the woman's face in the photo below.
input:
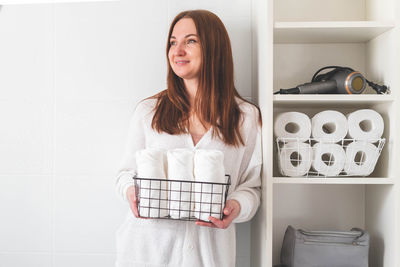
(185, 52)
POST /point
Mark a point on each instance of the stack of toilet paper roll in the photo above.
(180, 167)
(364, 141)
(209, 197)
(153, 189)
(194, 186)
(329, 144)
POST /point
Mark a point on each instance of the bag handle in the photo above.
(357, 233)
(362, 232)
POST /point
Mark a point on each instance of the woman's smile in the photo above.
(182, 62)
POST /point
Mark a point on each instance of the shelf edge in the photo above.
(366, 181)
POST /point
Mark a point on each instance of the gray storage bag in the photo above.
(325, 248)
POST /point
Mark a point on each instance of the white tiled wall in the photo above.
(70, 76)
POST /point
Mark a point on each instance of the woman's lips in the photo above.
(181, 62)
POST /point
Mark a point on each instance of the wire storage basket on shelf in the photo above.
(181, 199)
(312, 157)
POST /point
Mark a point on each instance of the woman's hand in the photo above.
(133, 200)
(231, 211)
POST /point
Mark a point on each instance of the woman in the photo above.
(200, 109)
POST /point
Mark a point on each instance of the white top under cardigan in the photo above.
(170, 243)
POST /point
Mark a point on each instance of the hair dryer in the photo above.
(340, 80)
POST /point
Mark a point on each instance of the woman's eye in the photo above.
(172, 43)
(191, 41)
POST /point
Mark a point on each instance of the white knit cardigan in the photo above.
(169, 243)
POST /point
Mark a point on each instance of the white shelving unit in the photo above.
(292, 39)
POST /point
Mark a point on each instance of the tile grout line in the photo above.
(53, 205)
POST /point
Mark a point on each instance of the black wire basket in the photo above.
(315, 157)
(180, 199)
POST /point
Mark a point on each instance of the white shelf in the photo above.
(310, 99)
(345, 180)
(329, 31)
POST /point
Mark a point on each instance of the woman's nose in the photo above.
(180, 49)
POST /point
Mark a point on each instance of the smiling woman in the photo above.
(200, 109)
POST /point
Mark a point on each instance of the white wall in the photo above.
(70, 75)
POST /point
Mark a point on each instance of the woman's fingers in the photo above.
(227, 210)
(135, 209)
(202, 223)
(133, 205)
(221, 224)
(216, 223)
(133, 200)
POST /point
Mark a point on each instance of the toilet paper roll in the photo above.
(208, 168)
(364, 163)
(180, 167)
(300, 164)
(329, 126)
(365, 124)
(293, 125)
(333, 164)
(153, 201)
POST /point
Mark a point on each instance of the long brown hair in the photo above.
(214, 102)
